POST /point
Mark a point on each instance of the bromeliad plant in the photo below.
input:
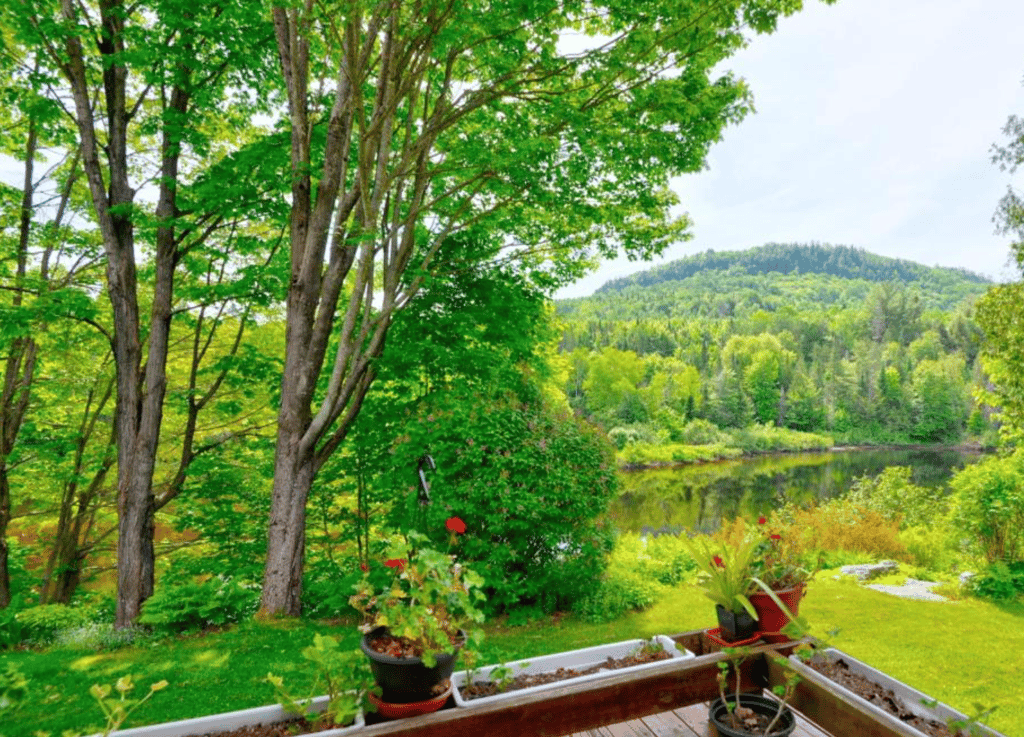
(725, 569)
(430, 599)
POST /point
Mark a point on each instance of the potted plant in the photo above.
(725, 577)
(739, 714)
(782, 573)
(415, 623)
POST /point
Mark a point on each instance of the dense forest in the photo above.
(820, 339)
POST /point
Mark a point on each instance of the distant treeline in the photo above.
(845, 262)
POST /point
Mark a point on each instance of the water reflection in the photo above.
(699, 496)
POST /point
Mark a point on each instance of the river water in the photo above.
(698, 496)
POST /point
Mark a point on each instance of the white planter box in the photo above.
(579, 659)
(233, 720)
(912, 699)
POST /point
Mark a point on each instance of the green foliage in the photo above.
(190, 606)
(988, 506)
(778, 258)
(430, 598)
(663, 558)
(1000, 314)
(345, 676)
(726, 565)
(892, 494)
(13, 689)
(930, 546)
(618, 591)
(117, 709)
(999, 581)
(11, 630)
(530, 484)
(766, 438)
(701, 432)
(40, 624)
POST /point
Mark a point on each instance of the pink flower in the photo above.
(456, 525)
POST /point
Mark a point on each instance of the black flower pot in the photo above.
(735, 625)
(719, 716)
(406, 680)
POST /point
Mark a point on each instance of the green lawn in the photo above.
(961, 653)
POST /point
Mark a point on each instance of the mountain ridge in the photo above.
(846, 262)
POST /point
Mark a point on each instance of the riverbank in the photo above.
(674, 455)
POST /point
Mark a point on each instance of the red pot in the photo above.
(770, 617)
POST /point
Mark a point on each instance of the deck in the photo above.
(687, 721)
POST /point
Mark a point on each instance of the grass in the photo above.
(961, 653)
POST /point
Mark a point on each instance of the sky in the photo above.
(873, 128)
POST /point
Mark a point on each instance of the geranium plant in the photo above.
(429, 601)
(778, 564)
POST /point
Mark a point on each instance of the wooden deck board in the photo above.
(688, 721)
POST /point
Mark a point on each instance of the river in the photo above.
(698, 496)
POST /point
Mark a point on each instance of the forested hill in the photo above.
(844, 262)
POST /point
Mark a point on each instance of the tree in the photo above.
(1000, 313)
(153, 89)
(438, 115)
(1009, 215)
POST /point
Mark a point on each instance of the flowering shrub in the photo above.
(531, 482)
(429, 599)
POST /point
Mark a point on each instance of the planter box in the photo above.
(233, 720)
(580, 659)
(912, 699)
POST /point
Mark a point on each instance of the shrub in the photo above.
(765, 438)
(620, 436)
(662, 558)
(839, 525)
(11, 630)
(988, 505)
(618, 592)
(896, 498)
(41, 623)
(701, 432)
(929, 546)
(999, 581)
(530, 484)
(190, 606)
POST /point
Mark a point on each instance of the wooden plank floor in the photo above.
(688, 721)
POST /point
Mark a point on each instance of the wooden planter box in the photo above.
(664, 686)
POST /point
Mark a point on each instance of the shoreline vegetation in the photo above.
(713, 454)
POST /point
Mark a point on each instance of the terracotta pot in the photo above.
(414, 709)
(770, 617)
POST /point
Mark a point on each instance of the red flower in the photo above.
(398, 563)
(761, 520)
(776, 537)
(455, 525)
(363, 567)
(717, 560)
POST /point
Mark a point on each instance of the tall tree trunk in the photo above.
(19, 369)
